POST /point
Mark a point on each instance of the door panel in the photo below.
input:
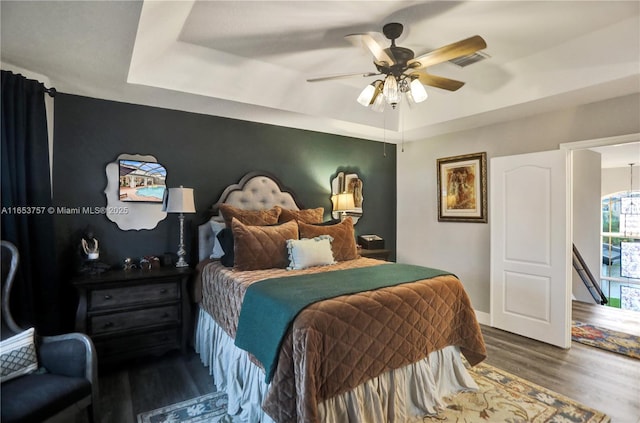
(530, 246)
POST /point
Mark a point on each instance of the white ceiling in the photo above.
(250, 59)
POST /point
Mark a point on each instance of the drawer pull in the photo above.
(165, 315)
(163, 291)
(108, 297)
(107, 325)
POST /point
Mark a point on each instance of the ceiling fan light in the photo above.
(418, 93)
(378, 103)
(391, 91)
(366, 96)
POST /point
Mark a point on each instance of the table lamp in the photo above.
(342, 203)
(180, 200)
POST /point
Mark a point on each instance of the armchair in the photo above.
(66, 381)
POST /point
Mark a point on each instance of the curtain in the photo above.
(26, 218)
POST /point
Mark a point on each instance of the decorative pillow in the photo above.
(18, 356)
(262, 247)
(310, 252)
(305, 215)
(250, 217)
(225, 237)
(216, 227)
(344, 239)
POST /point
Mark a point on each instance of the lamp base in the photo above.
(182, 263)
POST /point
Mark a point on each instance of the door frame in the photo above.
(600, 142)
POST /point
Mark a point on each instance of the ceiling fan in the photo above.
(402, 71)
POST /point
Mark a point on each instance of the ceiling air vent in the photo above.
(469, 59)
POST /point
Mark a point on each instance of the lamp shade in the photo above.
(342, 202)
(180, 200)
(366, 95)
(418, 92)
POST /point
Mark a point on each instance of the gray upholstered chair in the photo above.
(66, 381)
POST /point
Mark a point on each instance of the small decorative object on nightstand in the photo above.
(135, 312)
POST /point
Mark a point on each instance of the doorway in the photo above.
(619, 226)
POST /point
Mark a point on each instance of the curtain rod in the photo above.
(51, 91)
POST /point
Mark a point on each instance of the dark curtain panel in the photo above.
(26, 198)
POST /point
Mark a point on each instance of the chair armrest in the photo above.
(71, 354)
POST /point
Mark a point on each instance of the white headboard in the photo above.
(255, 191)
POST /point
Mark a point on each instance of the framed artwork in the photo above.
(462, 188)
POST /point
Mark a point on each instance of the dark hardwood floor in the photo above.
(606, 381)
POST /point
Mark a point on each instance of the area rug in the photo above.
(610, 340)
(210, 408)
(503, 397)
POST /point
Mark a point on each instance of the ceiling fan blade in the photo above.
(438, 81)
(376, 49)
(347, 75)
(451, 51)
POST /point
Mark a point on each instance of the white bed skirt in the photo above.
(399, 396)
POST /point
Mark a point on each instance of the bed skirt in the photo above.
(397, 396)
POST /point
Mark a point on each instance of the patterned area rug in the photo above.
(504, 397)
(610, 340)
(209, 408)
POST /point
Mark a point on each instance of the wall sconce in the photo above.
(342, 203)
(180, 200)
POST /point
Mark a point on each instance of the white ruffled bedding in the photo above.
(398, 396)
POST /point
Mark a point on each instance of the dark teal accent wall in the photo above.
(206, 153)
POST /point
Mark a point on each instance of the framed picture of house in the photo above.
(462, 188)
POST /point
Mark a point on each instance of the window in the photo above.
(620, 274)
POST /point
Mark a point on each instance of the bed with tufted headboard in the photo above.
(255, 191)
(296, 326)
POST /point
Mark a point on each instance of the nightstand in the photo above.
(134, 313)
(381, 254)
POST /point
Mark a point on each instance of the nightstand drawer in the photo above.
(110, 348)
(134, 319)
(113, 297)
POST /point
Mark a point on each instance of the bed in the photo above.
(376, 342)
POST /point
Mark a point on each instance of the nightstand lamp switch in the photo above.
(180, 200)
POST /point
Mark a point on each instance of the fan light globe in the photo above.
(391, 91)
(366, 95)
(418, 92)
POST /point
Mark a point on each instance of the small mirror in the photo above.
(347, 183)
(135, 190)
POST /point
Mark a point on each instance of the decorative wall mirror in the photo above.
(135, 191)
(347, 183)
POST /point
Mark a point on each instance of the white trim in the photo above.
(599, 142)
(483, 317)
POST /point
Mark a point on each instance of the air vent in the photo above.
(470, 59)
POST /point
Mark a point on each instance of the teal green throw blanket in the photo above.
(269, 306)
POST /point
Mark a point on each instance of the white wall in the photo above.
(618, 179)
(463, 248)
(586, 217)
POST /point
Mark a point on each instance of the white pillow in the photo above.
(216, 227)
(18, 356)
(308, 252)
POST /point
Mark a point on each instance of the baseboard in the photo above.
(484, 318)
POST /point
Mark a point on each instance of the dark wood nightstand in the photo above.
(134, 313)
(381, 254)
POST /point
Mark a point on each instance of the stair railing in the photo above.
(587, 278)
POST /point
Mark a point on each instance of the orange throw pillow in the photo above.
(262, 247)
(344, 239)
(306, 215)
(250, 217)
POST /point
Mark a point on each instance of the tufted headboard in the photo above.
(255, 191)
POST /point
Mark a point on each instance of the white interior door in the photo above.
(531, 246)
